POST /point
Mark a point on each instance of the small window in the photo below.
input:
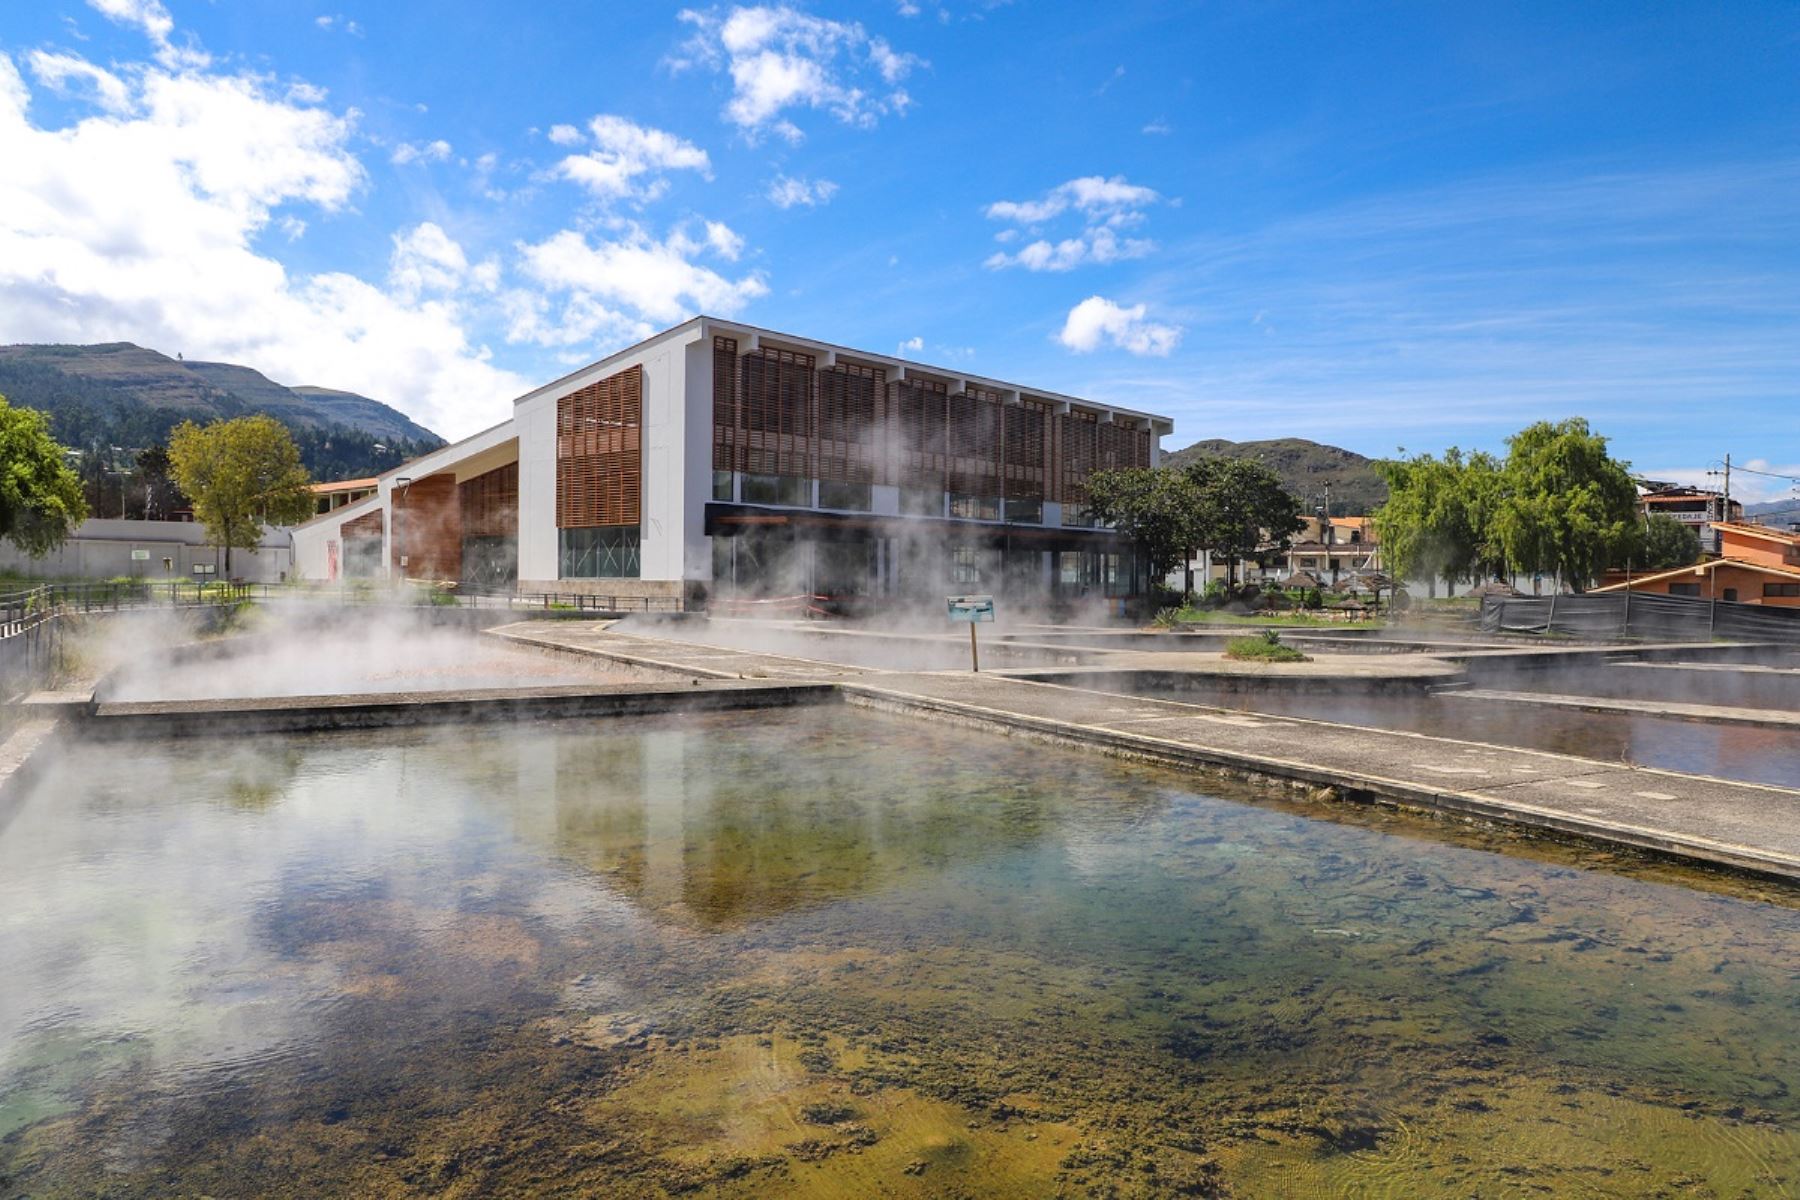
(722, 481)
(975, 508)
(1728, 594)
(1025, 512)
(789, 490)
(1684, 589)
(852, 497)
(1773, 591)
(964, 568)
(922, 502)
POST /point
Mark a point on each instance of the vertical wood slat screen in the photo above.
(976, 440)
(775, 407)
(917, 429)
(599, 452)
(727, 445)
(849, 403)
(490, 503)
(1080, 454)
(1027, 453)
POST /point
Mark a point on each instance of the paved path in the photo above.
(1743, 825)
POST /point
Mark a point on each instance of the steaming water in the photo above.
(828, 953)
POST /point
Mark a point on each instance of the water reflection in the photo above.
(830, 953)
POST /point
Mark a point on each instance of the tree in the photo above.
(1568, 504)
(1159, 510)
(40, 497)
(1435, 521)
(161, 496)
(241, 474)
(1658, 544)
(1245, 507)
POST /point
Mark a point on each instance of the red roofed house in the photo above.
(1757, 565)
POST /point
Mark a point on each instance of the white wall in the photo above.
(101, 549)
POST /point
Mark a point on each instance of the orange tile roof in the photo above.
(1701, 569)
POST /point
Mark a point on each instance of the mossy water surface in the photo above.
(833, 953)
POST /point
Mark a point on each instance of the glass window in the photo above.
(1730, 594)
(921, 502)
(1684, 589)
(600, 552)
(854, 497)
(1077, 516)
(1028, 512)
(722, 486)
(1774, 590)
(975, 508)
(789, 490)
(964, 568)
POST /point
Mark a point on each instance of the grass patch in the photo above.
(1267, 648)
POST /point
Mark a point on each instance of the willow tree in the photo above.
(40, 497)
(1435, 523)
(1568, 504)
(240, 474)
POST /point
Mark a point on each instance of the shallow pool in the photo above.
(830, 953)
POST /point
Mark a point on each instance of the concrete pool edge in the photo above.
(301, 714)
(1686, 849)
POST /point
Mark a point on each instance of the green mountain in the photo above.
(118, 395)
(1306, 469)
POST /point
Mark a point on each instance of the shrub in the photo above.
(1266, 647)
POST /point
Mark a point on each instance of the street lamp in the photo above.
(402, 482)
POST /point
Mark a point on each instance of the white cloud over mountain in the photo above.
(1106, 206)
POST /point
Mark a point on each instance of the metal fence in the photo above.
(1642, 615)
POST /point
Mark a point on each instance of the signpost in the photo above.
(973, 610)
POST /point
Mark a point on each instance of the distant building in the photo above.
(111, 548)
(1697, 507)
(1328, 552)
(1756, 565)
(328, 497)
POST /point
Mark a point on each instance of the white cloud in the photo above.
(565, 135)
(912, 346)
(1098, 320)
(154, 21)
(1099, 245)
(301, 92)
(1095, 196)
(780, 59)
(1158, 126)
(907, 8)
(145, 226)
(1105, 205)
(628, 160)
(425, 258)
(657, 279)
(407, 153)
(727, 244)
(788, 191)
(68, 74)
(328, 23)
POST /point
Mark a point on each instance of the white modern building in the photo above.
(716, 459)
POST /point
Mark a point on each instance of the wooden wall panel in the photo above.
(776, 412)
(428, 529)
(917, 417)
(599, 452)
(369, 525)
(849, 409)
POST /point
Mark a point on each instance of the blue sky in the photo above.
(1377, 225)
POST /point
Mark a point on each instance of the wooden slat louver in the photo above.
(776, 400)
(916, 425)
(490, 503)
(599, 457)
(849, 399)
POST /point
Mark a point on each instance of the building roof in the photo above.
(1703, 568)
(1764, 532)
(704, 324)
(342, 485)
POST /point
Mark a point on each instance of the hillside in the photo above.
(1306, 469)
(120, 395)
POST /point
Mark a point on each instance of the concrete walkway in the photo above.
(1741, 825)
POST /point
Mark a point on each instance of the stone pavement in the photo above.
(1741, 825)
